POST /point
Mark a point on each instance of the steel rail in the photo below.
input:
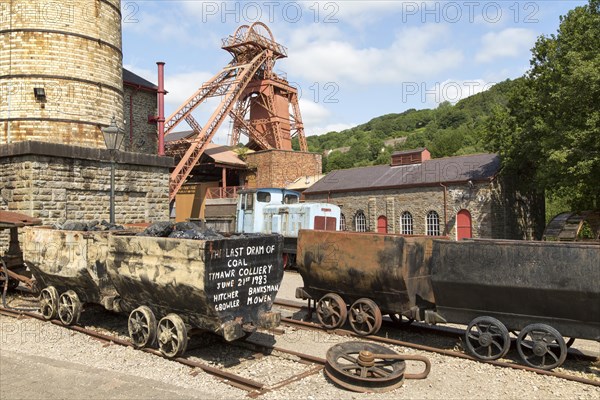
(254, 388)
(421, 327)
(451, 353)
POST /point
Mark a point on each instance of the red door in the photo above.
(463, 225)
(382, 224)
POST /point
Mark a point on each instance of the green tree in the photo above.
(550, 129)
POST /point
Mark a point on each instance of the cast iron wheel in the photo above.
(352, 366)
(331, 311)
(49, 303)
(400, 320)
(172, 336)
(142, 327)
(69, 307)
(541, 346)
(365, 317)
(487, 338)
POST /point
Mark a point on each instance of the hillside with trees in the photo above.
(447, 130)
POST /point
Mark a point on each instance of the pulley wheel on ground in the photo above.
(331, 311)
(69, 307)
(352, 366)
(49, 302)
(365, 317)
(172, 336)
(541, 346)
(487, 338)
(142, 327)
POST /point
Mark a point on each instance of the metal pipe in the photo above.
(131, 120)
(445, 210)
(161, 108)
(112, 187)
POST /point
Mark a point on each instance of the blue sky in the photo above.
(352, 60)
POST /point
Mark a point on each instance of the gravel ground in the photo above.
(449, 377)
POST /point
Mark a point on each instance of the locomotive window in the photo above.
(360, 222)
(406, 223)
(263, 197)
(249, 201)
(433, 223)
(290, 199)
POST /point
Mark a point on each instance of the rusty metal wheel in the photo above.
(142, 327)
(49, 302)
(400, 320)
(172, 336)
(69, 307)
(331, 311)
(541, 346)
(369, 367)
(365, 317)
(487, 338)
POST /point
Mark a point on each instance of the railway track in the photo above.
(447, 331)
(254, 388)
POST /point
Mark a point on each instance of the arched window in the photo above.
(406, 223)
(360, 222)
(433, 224)
(342, 222)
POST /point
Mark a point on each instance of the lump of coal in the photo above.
(158, 229)
(74, 226)
(186, 226)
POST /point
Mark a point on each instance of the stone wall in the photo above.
(419, 201)
(279, 168)
(497, 210)
(140, 135)
(56, 182)
(73, 51)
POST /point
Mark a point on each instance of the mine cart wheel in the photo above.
(331, 311)
(172, 336)
(69, 307)
(142, 327)
(487, 338)
(541, 346)
(369, 367)
(365, 317)
(49, 303)
(400, 320)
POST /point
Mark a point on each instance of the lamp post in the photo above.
(113, 138)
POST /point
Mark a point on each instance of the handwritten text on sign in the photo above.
(240, 276)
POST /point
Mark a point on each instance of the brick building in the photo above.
(456, 196)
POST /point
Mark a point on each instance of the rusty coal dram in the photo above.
(87, 226)
(180, 230)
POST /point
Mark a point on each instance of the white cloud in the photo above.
(510, 42)
(414, 54)
(320, 130)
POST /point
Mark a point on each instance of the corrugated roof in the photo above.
(441, 170)
(130, 77)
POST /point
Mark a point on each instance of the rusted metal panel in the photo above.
(9, 219)
(519, 283)
(391, 270)
(216, 285)
(70, 260)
